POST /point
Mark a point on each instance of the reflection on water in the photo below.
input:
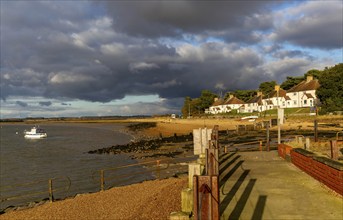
(62, 154)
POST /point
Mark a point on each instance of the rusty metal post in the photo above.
(334, 150)
(315, 131)
(51, 196)
(212, 162)
(206, 197)
(102, 180)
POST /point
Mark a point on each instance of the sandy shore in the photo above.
(148, 200)
(168, 126)
(151, 199)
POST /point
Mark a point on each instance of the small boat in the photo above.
(249, 117)
(35, 133)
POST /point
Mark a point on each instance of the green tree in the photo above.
(315, 73)
(186, 107)
(291, 81)
(245, 95)
(267, 87)
(330, 91)
(205, 100)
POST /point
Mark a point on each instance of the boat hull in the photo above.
(35, 136)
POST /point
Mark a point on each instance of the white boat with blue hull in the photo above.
(35, 133)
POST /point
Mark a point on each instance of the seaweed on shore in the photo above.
(141, 126)
(142, 146)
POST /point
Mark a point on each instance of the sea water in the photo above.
(27, 165)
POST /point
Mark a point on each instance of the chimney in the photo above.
(277, 87)
(309, 78)
(259, 93)
(215, 99)
(231, 96)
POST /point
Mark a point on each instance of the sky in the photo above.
(104, 58)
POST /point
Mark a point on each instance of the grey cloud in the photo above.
(47, 103)
(64, 55)
(314, 24)
(21, 104)
(291, 53)
(171, 18)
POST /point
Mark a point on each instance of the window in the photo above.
(288, 103)
(295, 94)
(311, 102)
(305, 102)
(294, 102)
(283, 103)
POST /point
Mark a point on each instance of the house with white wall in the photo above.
(217, 106)
(253, 105)
(221, 106)
(301, 95)
(233, 103)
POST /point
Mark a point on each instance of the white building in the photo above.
(301, 95)
(221, 106)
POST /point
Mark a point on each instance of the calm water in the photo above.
(64, 155)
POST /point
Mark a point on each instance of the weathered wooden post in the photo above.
(307, 143)
(102, 180)
(187, 200)
(194, 169)
(206, 197)
(179, 216)
(268, 144)
(334, 150)
(51, 196)
(300, 140)
(315, 131)
(260, 145)
(225, 149)
(158, 169)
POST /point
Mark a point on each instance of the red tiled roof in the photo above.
(287, 98)
(257, 99)
(269, 102)
(218, 102)
(272, 94)
(305, 85)
(233, 100)
(309, 95)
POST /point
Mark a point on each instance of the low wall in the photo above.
(284, 151)
(325, 170)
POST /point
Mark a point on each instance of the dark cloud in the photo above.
(47, 103)
(173, 18)
(292, 53)
(21, 103)
(106, 51)
(314, 24)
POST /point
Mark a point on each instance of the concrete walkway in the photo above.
(260, 185)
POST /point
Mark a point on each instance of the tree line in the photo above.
(330, 92)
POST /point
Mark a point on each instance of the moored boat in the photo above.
(35, 133)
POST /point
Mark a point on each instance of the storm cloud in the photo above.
(102, 51)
